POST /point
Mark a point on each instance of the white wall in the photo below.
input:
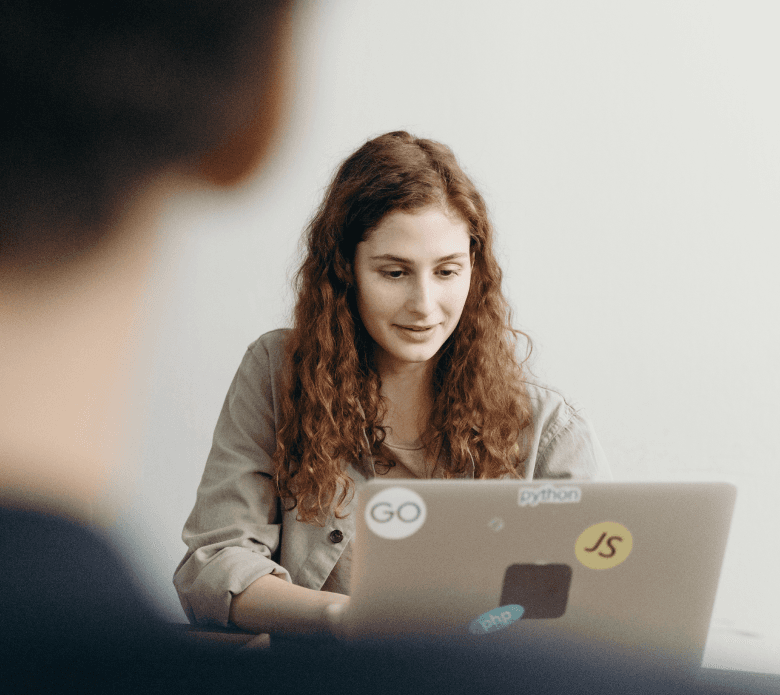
(630, 155)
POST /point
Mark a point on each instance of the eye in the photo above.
(448, 272)
(392, 274)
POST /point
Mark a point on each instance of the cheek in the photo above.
(459, 295)
(371, 302)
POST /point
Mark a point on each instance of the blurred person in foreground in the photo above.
(109, 109)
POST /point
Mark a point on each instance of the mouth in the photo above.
(417, 329)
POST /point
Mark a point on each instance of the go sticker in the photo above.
(395, 513)
(603, 546)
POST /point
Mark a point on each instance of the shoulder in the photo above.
(262, 366)
(73, 551)
(552, 411)
(267, 353)
(564, 441)
(83, 593)
(271, 344)
(544, 396)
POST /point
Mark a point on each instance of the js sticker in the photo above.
(603, 545)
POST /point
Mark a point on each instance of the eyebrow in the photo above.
(399, 259)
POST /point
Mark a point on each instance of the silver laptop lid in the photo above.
(628, 564)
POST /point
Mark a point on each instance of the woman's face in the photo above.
(412, 275)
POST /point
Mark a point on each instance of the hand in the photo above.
(334, 615)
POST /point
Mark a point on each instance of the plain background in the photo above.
(630, 156)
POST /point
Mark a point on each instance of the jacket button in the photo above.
(336, 536)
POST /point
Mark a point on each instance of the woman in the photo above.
(401, 363)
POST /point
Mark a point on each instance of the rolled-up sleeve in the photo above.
(234, 530)
(564, 444)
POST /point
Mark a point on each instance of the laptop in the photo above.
(632, 566)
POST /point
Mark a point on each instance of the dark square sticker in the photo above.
(542, 590)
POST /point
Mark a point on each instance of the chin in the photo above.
(401, 352)
(414, 356)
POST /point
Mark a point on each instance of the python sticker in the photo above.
(604, 546)
(395, 513)
(548, 494)
(495, 620)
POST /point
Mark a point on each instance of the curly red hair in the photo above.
(331, 408)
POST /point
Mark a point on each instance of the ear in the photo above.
(240, 154)
(246, 148)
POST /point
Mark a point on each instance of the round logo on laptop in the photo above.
(395, 513)
(604, 546)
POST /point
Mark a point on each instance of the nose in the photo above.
(421, 300)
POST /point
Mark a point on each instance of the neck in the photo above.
(411, 379)
(68, 337)
(408, 392)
